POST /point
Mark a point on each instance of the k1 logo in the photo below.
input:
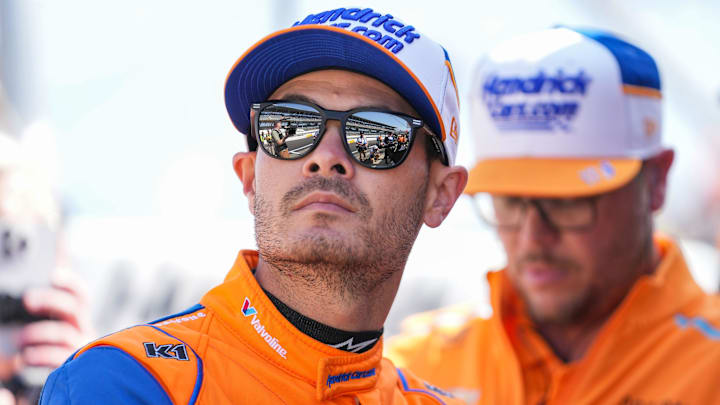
(168, 351)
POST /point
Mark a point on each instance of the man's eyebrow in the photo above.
(300, 97)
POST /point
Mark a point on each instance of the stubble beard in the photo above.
(632, 252)
(568, 312)
(590, 303)
(569, 309)
(341, 266)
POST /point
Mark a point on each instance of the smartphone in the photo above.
(27, 258)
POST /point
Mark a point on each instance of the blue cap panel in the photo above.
(637, 67)
(280, 58)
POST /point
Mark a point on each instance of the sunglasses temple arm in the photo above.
(437, 144)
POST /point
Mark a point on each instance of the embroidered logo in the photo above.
(337, 378)
(271, 341)
(542, 102)
(168, 351)
(650, 126)
(188, 318)
(384, 29)
(454, 129)
(350, 347)
(594, 174)
(438, 390)
(247, 310)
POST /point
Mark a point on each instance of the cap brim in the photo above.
(285, 54)
(551, 178)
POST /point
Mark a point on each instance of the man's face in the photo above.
(566, 276)
(327, 211)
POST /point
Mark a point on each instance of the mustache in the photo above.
(319, 183)
(548, 258)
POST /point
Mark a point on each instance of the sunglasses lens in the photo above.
(378, 139)
(288, 130)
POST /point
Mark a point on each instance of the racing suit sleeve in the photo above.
(106, 375)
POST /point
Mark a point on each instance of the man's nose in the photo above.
(329, 157)
(536, 229)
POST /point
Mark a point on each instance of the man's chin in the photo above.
(320, 244)
(555, 310)
(327, 262)
(319, 221)
(335, 234)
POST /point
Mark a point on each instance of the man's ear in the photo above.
(658, 168)
(445, 186)
(244, 166)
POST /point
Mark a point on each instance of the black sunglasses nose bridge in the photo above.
(338, 116)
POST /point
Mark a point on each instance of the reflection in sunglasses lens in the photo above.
(288, 130)
(378, 139)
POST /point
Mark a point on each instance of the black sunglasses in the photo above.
(375, 138)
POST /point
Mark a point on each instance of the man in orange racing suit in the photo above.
(300, 321)
(592, 308)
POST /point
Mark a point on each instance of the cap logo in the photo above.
(389, 32)
(650, 126)
(542, 102)
(592, 175)
(454, 129)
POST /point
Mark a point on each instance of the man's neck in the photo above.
(571, 341)
(326, 305)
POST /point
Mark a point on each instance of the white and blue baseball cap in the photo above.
(357, 39)
(563, 113)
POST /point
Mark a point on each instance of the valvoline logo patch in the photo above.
(272, 341)
(247, 310)
(543, 101)
(383, 29)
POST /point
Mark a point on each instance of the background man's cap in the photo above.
(356, 39)
(563, 113)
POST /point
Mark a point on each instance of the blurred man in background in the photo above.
(44, 313)
(593, 307)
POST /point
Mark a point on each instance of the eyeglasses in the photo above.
(508, 213)
(375, 138)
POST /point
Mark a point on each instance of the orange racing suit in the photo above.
(661, 346)
(232, 348)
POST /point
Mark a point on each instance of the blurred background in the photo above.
(120, 104)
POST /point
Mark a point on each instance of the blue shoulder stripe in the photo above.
(408, 389)
(190, 310)
(700, 324)
(637, 67)
(106, 375)
(199, 379)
